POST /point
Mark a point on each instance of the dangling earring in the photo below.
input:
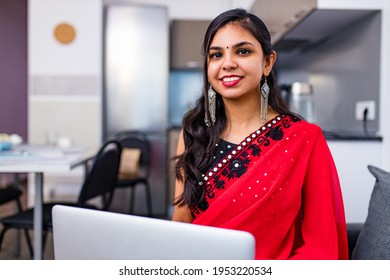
(211, 99)
(264, 93)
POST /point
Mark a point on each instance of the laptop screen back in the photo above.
(97, 235)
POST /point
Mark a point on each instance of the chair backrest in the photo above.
(137, 140)
(9, 193)
(101, 177)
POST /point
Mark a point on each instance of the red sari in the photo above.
(281, 185)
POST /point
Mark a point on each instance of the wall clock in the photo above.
(64, 33)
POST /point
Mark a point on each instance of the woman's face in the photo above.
(236, 62)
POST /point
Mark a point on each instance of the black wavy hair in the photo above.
(200, 140)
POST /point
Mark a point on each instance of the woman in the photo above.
(246, 162)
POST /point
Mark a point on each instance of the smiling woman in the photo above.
(245, 162)
(236, 71)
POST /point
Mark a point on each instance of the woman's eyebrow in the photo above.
(215, 48)
(235, 46)
(242, 44)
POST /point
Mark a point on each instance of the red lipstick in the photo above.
(230, 81)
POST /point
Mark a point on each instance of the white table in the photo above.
(40, 159)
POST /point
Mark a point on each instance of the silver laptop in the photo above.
(84, 234)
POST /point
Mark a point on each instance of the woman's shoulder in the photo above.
(305, 126)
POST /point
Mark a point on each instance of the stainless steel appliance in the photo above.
(136, 73)
(299, 97)
(302, 100)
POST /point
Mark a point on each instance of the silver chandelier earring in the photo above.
(211, 100)
(264, 93)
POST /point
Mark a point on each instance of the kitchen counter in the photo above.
(330, 135)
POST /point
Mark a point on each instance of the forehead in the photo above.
(231, 34)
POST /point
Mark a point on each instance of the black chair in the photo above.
(12, 193)
(99, 182)
(136, 140)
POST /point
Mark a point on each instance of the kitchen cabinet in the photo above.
(186, 43)
(341, 47)
(281, 16)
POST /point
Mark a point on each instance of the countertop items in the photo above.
(8, 141)
(5, 145)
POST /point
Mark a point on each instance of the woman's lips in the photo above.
(230, 81)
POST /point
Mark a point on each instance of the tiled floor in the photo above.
(9, 249)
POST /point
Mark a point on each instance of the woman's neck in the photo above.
(235, 130)
(243, 120)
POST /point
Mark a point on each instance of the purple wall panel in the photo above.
(13, 67)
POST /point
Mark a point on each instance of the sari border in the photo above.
(218, 167)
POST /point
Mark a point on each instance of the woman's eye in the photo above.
(243, 51)
(215, 55)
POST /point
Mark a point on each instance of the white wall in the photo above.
(351, 159)
(64, 91)
(384, 125)
(65, 80)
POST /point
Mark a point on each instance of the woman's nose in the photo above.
(229, 62)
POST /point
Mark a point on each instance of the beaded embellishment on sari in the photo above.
(236, 159)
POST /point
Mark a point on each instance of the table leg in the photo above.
(38, 216)
(17, 235)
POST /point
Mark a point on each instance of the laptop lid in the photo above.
(80, 233)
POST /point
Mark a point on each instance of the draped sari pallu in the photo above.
(281, 185)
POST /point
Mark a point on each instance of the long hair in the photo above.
(200, 141)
